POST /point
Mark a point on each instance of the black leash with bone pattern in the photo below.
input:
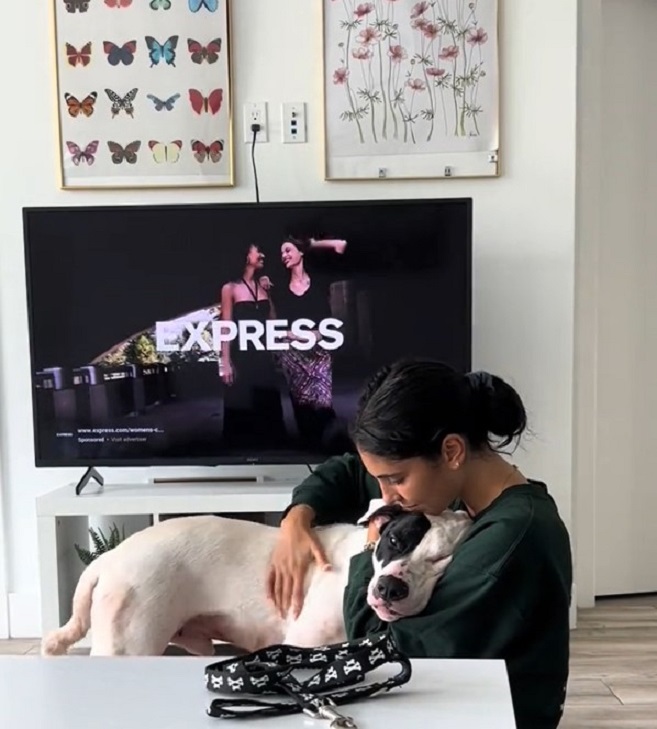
(339, 679)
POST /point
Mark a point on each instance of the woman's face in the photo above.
(290, 255)
(255, 257)
(417, 484)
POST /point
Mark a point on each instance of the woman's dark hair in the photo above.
(236, 260)
(408, 408)
(302, 242)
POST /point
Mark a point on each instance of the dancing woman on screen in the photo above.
(309, 373)
(252, 405)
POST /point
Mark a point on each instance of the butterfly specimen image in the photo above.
(163, 152)
(124, 54)
(84, 107)
(200, 53)
(80, 57)
(211, 152)
(81, 6)
(210, 104)
(162, 51)
(163, 104)
(160, 4)
(196, 5)
(122, 103)
(88, 154)
(124, 154)
(118, 3)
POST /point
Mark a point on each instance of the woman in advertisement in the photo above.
(252, 404)
(308, 372)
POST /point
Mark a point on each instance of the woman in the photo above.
(429, 438)
(307, 372)
(253, 414)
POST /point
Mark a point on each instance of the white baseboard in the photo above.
(24, 615)
(573, 609)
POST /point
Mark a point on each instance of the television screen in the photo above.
(232, 333)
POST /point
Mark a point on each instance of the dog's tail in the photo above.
(59, 641)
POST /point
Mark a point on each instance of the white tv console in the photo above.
(63, 521)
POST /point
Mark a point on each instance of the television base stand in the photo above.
(214, 479)
(91, 474)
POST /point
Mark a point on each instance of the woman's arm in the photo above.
(332, 244)
(340, 489)
(226, 315)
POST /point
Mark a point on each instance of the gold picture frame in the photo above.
(143, 94)
(399, 52)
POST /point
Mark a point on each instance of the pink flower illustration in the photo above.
(449, 53)
(416, 84)
(363, 9)
(369, 35)
(435, 72)
(430, 31)
(340, 75)
(397, 53)
(419, 9)
(420, 24)
(362, 53)
(477, 36)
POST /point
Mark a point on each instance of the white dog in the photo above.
(193, 580)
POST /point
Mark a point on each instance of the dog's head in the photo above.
(410, 556)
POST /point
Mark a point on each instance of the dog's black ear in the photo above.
(384, 515)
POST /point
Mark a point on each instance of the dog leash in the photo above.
(270, 671)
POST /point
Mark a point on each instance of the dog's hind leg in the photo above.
(123, 627)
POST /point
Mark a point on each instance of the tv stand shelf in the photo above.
(63, 521)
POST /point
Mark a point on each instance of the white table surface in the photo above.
(79, 692)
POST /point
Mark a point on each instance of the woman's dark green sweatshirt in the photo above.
(505, 595)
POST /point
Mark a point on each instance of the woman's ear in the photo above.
(453, 451)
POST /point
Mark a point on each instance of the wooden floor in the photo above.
(613, 672)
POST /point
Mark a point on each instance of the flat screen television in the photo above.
(232, 333)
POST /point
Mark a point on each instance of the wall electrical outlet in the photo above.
(294, 123)
(256, 113)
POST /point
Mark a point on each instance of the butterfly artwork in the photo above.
(160, 4)
(200, 53)
(211, 152)
(165, 152)
(210, 104)
(122, 103)
(76, 107)
(163, 104)
(124, 54)
(162, 51)
(75, 57)
(196, 5)
(88, 154)
(118, 3)
(80, 6)
(124, 154)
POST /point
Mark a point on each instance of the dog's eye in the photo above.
(394, 542)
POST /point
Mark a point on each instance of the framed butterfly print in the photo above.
(144, 93)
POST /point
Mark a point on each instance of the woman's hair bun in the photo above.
(497, 407)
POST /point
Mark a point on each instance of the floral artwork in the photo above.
(409, 77)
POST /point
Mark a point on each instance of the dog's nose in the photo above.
(391, 588)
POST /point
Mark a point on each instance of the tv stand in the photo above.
(91, 474)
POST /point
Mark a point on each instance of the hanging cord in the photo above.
(255, 128)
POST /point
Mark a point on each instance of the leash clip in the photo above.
(329, 712)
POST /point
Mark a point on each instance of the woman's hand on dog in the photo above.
(297, 548)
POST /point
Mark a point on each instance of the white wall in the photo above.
(524, 225)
